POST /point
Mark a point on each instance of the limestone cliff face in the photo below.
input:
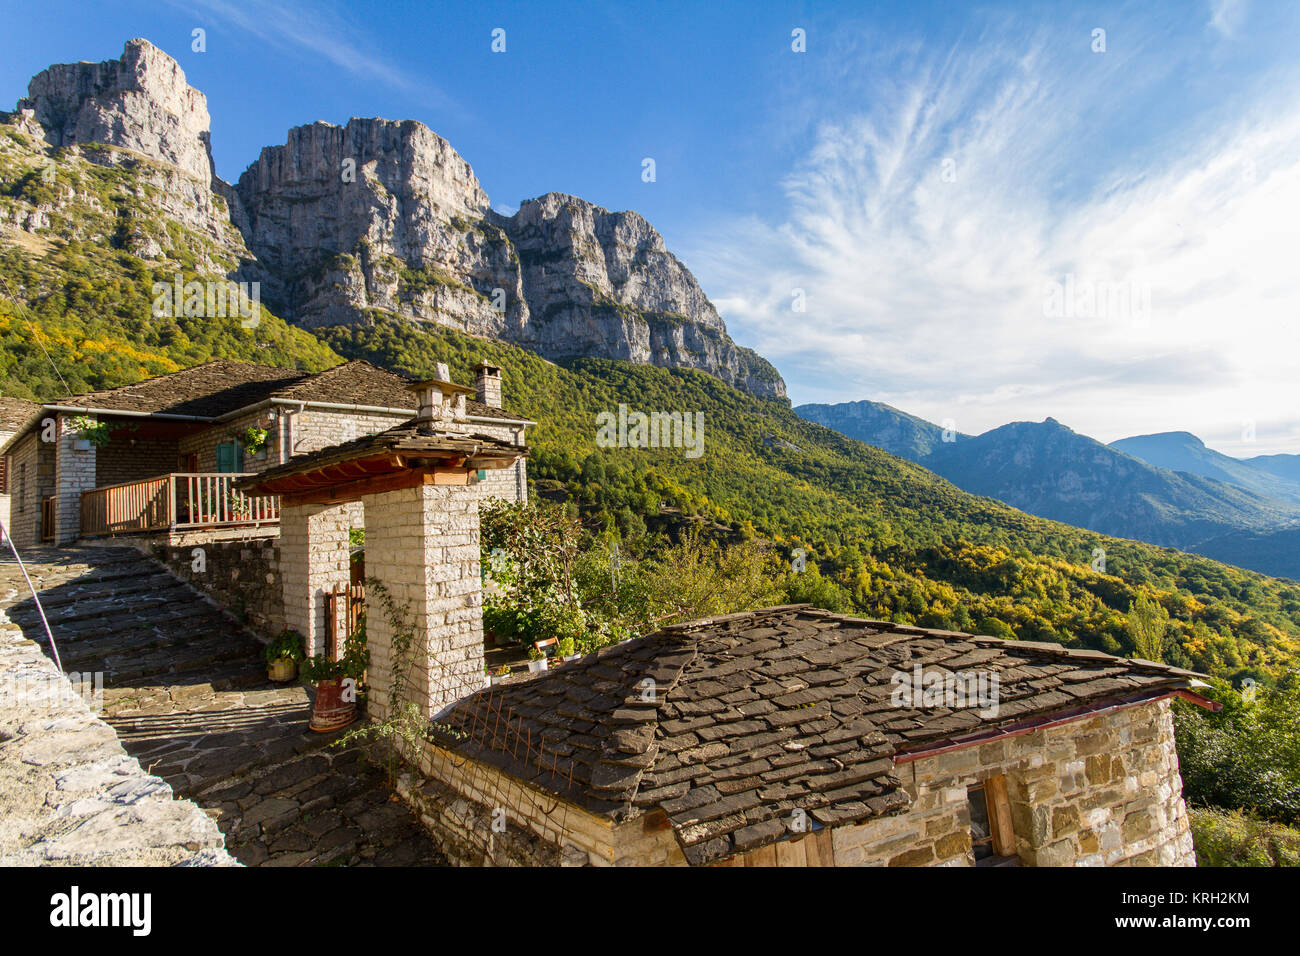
(378, 215)
(603, 283)
(140, 102)
(342, 222)
(157, 129)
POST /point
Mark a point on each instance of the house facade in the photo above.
(15, 413)
(160, 457)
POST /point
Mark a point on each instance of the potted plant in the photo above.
(283, 655)
(567, 650)
(254, 439)
(335, 703)
(497, 675)
(537, 661)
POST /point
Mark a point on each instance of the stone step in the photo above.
(76, 655)
(148, 581)
(91, 605)
(176, 620)
(173, 659)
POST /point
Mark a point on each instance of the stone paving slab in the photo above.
(185, 690)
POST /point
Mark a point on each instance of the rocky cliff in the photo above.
(137, 115)
(382, 215)
(342, 222)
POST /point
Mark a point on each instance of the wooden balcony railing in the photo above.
(179, 501)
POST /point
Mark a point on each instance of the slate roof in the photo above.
(204, 391)
(756, 714)
(218, 387)
(16, 412)
(411, 438)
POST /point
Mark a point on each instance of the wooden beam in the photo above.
(999, 811)
(354, 490)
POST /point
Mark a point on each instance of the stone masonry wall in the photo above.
(313, 560)
(24, 497)
(243, 577)
(457, 799)
(1104, 791)
(69, 794)
(133, 459)
(75, 474)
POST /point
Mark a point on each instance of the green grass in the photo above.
(1231, 838)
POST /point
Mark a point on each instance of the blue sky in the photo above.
(931, 181)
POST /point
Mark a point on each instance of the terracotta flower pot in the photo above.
(330, 711)
(282, 670)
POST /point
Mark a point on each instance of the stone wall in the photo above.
(75, 471)
(314, 559)
(69, 794)
(241, 576)
(313, 429)
(133, 459)
(458, 799)
(1104, 791)
(204, 443)
(25, 488)
(31, 480)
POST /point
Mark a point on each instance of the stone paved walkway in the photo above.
(186, 691)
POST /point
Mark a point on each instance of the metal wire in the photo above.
(4, 533)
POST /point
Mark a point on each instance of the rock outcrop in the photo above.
(138, 115)
(140, 102)
(343, 222)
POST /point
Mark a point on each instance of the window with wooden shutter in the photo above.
(229, 458)
(992, 836)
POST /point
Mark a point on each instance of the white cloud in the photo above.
(929, 294)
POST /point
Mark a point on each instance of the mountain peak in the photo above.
(139, 102)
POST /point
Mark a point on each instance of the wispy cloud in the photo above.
(321, 33)
(926, 230)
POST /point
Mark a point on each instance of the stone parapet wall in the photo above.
(457, 799)
(69, 794)
(1100, 791)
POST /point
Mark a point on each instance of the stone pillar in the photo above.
(422, 543)
(313, 559)
(74, 470)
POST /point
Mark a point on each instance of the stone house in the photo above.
(15, 413)
(158, 457)
(789, 737)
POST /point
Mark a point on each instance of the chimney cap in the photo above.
(488, 368)
(442, 385)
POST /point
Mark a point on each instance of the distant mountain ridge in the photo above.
(1046, 469)
(884, 426)
(1183, 451)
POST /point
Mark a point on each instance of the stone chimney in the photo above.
(487, 383)
(439, 399)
